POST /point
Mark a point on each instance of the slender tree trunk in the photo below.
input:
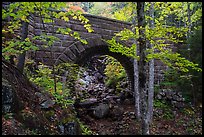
(21, 57)
(151, 72)
(135, 64)
(142, 75)
(136, 90)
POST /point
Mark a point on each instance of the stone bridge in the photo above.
(69, 49)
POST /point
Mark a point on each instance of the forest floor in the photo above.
(166, 121)
(186, 121)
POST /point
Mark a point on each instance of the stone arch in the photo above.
(79, 54)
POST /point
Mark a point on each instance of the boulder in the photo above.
(98, 76)
(71, 128)
(101, 110)
(47, 104)
(9, 100)
(41, 97)
(88, 102)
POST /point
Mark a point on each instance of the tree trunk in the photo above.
(142, 75)
(151, 72)
(136, 90)
(21, 58)
(135, 64)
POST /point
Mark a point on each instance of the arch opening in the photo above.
(87, 56)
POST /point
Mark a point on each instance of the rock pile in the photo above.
(99, 100)
(173, 97)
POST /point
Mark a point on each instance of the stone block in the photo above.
(68, 38)
(66, 43)
(80, 47)
(60, 36)
(64, 58)
(85, 35)
(47, 61)
(70, 54)
(43, 54)
(31, 28)
(97, 30)
(57, 54)
(58, 49)
(74, 49)
(59, 22)
(57, 44)
(78, 28)
(38, 31)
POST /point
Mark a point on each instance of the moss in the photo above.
(49, 114)
(67, 117)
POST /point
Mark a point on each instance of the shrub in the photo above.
(114, 72)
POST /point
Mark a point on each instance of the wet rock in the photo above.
(47, 104)
(100, 87)
(132, 113)
(41, 97)
(9, 100)
(124, 84)
(102, 95)
(88, 79)
(175, 98)
(88, 102)
(118, 100)
(179, 105)
(85, 73)
(162, 94)
(82, 82)
(111, 91)
(157, 112)
(101, 110)
(111, 97)
(159, 96)
(98, 76)
(70, 128)
(169, 95)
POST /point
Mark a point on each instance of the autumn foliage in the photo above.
(76, 8)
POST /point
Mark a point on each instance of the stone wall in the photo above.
(68, 49)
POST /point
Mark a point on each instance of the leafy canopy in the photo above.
(162, 37)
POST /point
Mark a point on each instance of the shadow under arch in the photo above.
(125, 61)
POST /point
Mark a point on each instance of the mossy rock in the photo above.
(70, 123)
